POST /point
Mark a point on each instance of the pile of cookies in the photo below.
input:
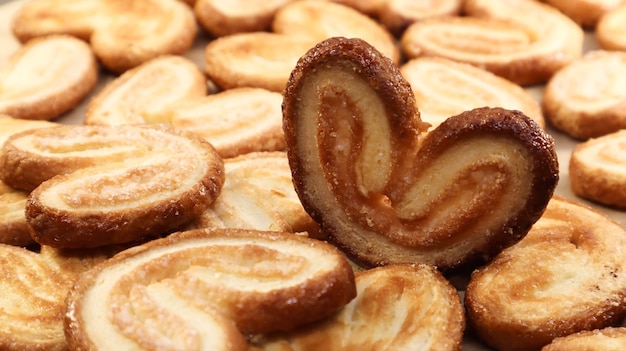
(308, 174)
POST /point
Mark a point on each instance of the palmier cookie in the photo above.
(13, 227)
(257, 59)
(320, 20)
(397, 15)
(471, 187)
(444, 88)
(34, 86)
(122, 34)
(34, 288)
(397, 307)
(206, 288)
(223, 18)
(586, 13)
(585, 99)
(147, 93)
(597, 169)
(523, 41)
(607, 339)
(102, 185)
(235, 121)
(258, 194)
(611, 28)
(568, 274)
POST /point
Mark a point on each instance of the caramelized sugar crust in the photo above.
(471, 187)
(207, 287)
(568, 274)
(98, 185)
(608, 339)
(397, 307)
(597, 169)
(47, 77)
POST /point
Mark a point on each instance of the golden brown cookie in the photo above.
(597, 169)
(257, 59)
(568, 274)
(445, 88)
(206, 287)
(34, 86)
(34, 288)
(122, 34)
(523, 41)
(100, 185)
(235, 121)
(586, 99)
(319, 20)
(229, 17)
(147, 93)
(585, 12)
(13, 226)
(469, 188)
(607, 339)
(258, 194)
(397, 15)
(397, 307)
(611, 28)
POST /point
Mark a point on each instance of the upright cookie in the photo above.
(607, 339)
(469, 188)
(567, 275)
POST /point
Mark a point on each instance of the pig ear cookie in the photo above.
(364, 172)
(320, 20)
(597, 168)
(122, 34)
(565, 276)
(396, 308)
(611, 28)
(207, 287)
(444, 88)
(34, 86)
(523, 41)
(585, 99)
(99, 185)
(258, 194)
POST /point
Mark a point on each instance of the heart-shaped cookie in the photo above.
(387, 194)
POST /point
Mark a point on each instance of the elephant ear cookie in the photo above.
(597, 169)
(47, 77)
(567, 275)
(99, 185)
(611, 28)
(34, 288)
(258, 194)
(444, 88)
(397, 307)
(13, 226)
(122, 34)
(607, 339)
(206, 287)
(384, 193)
(523, 41)
(585, 99)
